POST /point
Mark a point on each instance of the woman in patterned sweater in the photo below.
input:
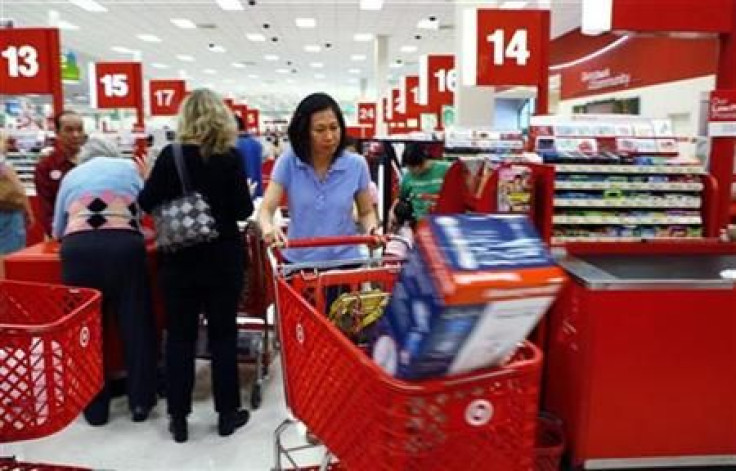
(97, 220)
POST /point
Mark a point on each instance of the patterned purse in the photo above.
(184, 221)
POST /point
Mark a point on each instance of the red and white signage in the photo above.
(722, 113)
(29, 61)
(397, 106)
(252, 118)
(240, 111)
(386, 109)
(437, 81)
(165, 96)
(410, 96)
(510, 47)
(117, 85)
(367, 114)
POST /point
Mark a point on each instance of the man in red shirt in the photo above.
(50, 170)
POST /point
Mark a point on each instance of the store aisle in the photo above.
(123, 445)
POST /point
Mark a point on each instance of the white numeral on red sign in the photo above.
(164, 97)
(446, 80)
(415, 91)
(29, 57)
(115, 85)
(367, 113)
(517, 48)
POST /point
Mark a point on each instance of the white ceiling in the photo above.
(337, 21)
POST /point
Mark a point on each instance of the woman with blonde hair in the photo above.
(208, 277)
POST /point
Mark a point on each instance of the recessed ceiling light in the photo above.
(312, 48)
(238, 65)
(209, 71)
(408, 49)
(426, 23)
(253, 76)
(363, 37)
(358, 57)
(149, 38)
(354, 71)
(121, 50)
(65, 25)
(282, 71)
(371, 4)
(230, 5)
(319, 76)
(157, 65)
(183, 23)
(317, 65)
(511, 5)
(185, 58)
(217, 48)
(271, 57)
(305, 22)
(89, 5)
(256, 37)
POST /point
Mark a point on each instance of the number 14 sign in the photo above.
(511, 47)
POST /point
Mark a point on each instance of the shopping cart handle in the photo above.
(336, 240)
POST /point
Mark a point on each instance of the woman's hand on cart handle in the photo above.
(274, 237)
(336, 240)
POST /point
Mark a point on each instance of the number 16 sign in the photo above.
(510, 47)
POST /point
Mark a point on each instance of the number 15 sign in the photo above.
(510, 47)
(117, 85)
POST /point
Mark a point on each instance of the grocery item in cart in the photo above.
(473, 287)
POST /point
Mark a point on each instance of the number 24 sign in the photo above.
(29, 61)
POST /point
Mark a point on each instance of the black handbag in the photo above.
(184, 221)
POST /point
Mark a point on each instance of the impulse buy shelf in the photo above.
(622, 180)
(24, 164)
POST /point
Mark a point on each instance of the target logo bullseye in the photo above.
(479, 413)
(300, 334)
(84, 336)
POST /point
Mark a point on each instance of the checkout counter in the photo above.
(641, 360)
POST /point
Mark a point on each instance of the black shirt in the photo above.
(219, 179)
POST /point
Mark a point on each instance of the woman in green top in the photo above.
(423, 182)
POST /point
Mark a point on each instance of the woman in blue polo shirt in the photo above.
(322, 182)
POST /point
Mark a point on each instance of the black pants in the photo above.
(114, 262)
(203, 279)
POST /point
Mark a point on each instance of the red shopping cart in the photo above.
(371, 421)
(50, 359)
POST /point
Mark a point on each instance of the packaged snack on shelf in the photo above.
(472, 288)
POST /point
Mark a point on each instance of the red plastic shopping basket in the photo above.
(371, 421)
(50, 357)
(10, 464)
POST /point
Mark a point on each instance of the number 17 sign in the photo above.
(165, 96)
(510, 47)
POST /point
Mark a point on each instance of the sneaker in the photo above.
(179, 430)
(228, 422)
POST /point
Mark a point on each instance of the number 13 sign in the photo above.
(29, 61)
(511, 47)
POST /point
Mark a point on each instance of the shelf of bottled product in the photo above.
(631, 169)
(678, 202)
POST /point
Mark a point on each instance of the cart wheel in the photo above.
(255, 396)
(264, 370)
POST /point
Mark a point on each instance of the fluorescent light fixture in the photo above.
(319, 76)
(597, 16)
(282, 71)
(209, 71)
(158, 65)
(65, 25)
(353, 71)
(238, 65)
(290, 81)
(396, 65)
(183, 23)
(121, 50)
(305, 22)
(217, 48)
(89, 5)
(271, 57)
(185, 58)
(317, 65)
(230, 5)
(312, 48)
(363, 37)
(256, 37)
(426, 23)
(228, 81)
(408, 49)
(352, 80)
(371, 4)
(513, 5)
(253, 76)
(149, 38)
(358, 57)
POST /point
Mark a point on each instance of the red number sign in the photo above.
(29, 61)
(240, 111)
(397, 106)
(510, 46)
(410, 96)
(386, 109)
(437, 81)
(165, 96)
(118, 85)
(367, 114)
(251, 121)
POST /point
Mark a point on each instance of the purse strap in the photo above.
(181, 167)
